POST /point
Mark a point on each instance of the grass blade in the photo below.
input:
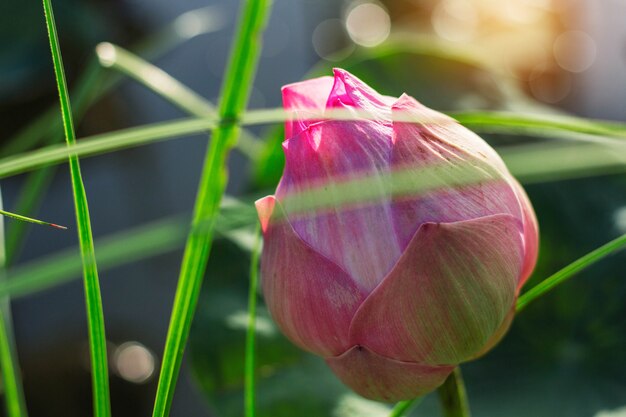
(91, 85)
(235, 92)
(121, 248)
(30, 197)
(9, 363)
(12, 384)
(511, 121)
(48, 126)
(30, 220)
(404, 407)
(570, 270)
(93, 300)
(142, 135)
(249, 393)
(115, 250)
(169, 88)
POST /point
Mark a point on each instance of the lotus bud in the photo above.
(397, 241)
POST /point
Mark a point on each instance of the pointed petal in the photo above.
(350, 92)
(322, 163)
(305, 97)
(379, 378)
(265, 208)
(447, 295)
(460, 176)
(311, 299)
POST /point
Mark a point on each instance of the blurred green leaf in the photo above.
(235, 222)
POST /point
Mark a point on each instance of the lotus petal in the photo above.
(311, 299)
(447, 295)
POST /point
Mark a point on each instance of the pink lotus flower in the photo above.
(394, 250)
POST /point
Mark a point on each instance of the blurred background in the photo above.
(563, 356)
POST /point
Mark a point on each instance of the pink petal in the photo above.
(379, 378)
(311, 299)
(350, 92)
(447, 295)
(357, 236)
(531, 235)
(265, 208)
(304, 98)
(463, 177)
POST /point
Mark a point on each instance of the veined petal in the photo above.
(350, 92)
(311, 299)
(457, 175)
(335, 192)
(380, 378)
(498, 334)
(447, 295)
(304, 98)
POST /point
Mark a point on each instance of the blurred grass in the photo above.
(250, 363)
(93, 299)
(235, 223)
(166, 86)
(566, 129)
(13, 389)
(91, 85)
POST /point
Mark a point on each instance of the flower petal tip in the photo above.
(265, 208)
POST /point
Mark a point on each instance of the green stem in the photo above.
(14, 396)
(404, 407)
(93, 300)
(452, 396)
(235, 93)
(570, 270)
(9, 362)
(249, 393)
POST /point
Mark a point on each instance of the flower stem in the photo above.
(404, 407)
(452, 396)
(249, 394)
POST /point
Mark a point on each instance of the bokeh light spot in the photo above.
(455, 20)
(549, 86)
(574, 51)
(134, 362)
(330, 40)
(620, 221)
(368, 24)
